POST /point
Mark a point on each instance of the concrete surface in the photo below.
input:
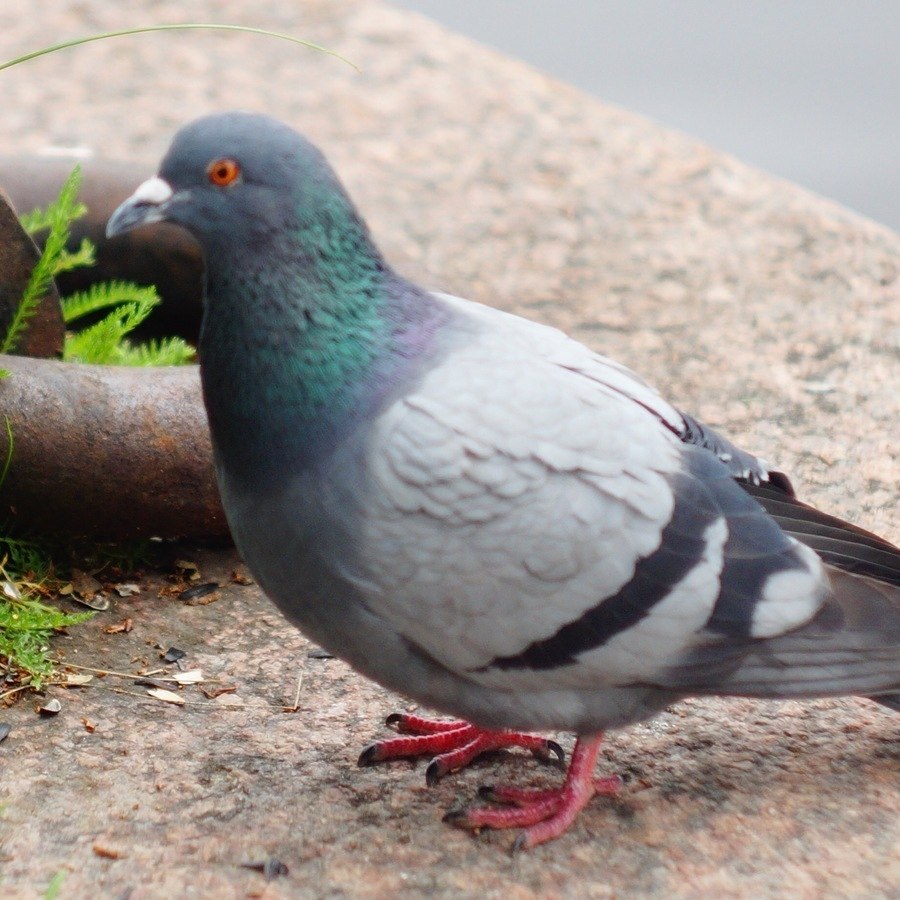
(766, 311)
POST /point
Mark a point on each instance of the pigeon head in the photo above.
(238, 180)
(305, 326)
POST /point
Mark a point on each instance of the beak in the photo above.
(146, 205)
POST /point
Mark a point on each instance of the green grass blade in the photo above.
(4, 471)
(55, 886)
(76, 42)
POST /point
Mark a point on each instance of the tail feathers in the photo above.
(839, 543)
(852, 646)
(854, 641)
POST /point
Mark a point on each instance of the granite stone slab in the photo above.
(771, 313)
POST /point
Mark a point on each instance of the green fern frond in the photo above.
(172, 351)
(31, 299)
(104, 295)
(105, 342)
(58, 217)
(41, 219)
(85, 255)
(99, 342)
(36, 220)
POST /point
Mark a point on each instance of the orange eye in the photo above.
(223, 172)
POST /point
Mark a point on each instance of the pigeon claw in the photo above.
(453, 744)
(435, 772)
(370, 756)
(552, 754)
(543, 814)
(458, 817)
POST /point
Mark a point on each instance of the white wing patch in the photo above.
(790, 599)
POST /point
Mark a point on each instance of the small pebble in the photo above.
(271, 869)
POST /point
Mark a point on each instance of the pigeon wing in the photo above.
(535, 513)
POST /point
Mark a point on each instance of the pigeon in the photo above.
(481, 513)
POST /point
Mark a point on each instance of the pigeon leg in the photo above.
(544, 814)
(454, 744)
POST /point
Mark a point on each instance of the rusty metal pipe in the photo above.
(107, 451)
(103, 451)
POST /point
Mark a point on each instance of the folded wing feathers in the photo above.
(586, 445)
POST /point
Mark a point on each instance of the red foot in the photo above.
(543, 814)
(454, 743)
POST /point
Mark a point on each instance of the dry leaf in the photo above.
(120, 627)
(166, 696)
(74, 679)
(240, 577)
(89, 726)
(127, 590)
(204, 601)
(192, 676)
